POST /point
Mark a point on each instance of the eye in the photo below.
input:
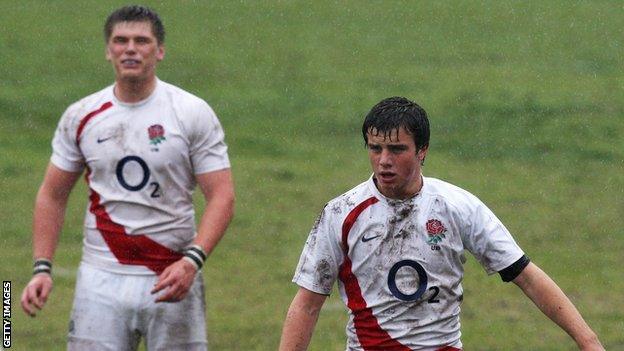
(142, 40)
(397, 149)
(374, 148)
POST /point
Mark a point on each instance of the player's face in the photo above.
(396, 163)
(134, 51)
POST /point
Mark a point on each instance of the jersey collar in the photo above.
(138, 103)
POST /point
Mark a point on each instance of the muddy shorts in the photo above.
(114, 311)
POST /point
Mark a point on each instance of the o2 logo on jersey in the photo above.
(422, 282)
(134, 184)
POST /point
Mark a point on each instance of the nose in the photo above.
(130, 46)
(385, 159)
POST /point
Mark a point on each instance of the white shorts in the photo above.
(113, 311)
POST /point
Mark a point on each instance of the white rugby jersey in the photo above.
(399, 263)
(141, 160)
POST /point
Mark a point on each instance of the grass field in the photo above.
(526, 103)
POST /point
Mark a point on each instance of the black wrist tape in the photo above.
(196, 255)
(42, 265)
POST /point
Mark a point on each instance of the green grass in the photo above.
(525, 101)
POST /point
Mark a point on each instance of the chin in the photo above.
(131, 78)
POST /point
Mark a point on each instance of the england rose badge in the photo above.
(156, 134)
(435, 230)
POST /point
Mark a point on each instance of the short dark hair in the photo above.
(135, 13)
(398, 112)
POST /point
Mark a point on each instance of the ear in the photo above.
(160, 54)
(107, 54)
(422, 154)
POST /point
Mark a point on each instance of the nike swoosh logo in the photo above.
(365, 239)
(103, 139)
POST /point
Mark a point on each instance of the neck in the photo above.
(401, 194)
(418, 186)
(131, 90)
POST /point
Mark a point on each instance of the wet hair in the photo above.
(135, 13)
(397, 112)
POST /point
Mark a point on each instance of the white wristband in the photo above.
(186, 258)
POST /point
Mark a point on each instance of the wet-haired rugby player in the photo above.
(396, 243)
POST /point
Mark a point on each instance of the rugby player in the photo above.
(143, 145)
(395, 244)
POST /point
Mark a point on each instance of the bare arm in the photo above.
(48, 218)
(546, 295)
(218, 190)
(300, 320)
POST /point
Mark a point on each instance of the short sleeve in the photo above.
(489, 241)
(66, 154)
(318, 265)
(208, 150)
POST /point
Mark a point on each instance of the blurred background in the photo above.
(526, 104)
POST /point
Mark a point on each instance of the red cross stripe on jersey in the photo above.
(128, 249)
(83, 122)
(370, 334)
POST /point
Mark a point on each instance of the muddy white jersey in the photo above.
(141, 160)
(399, 264)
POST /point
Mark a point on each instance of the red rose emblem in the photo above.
(435, 227)
(156, 131)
